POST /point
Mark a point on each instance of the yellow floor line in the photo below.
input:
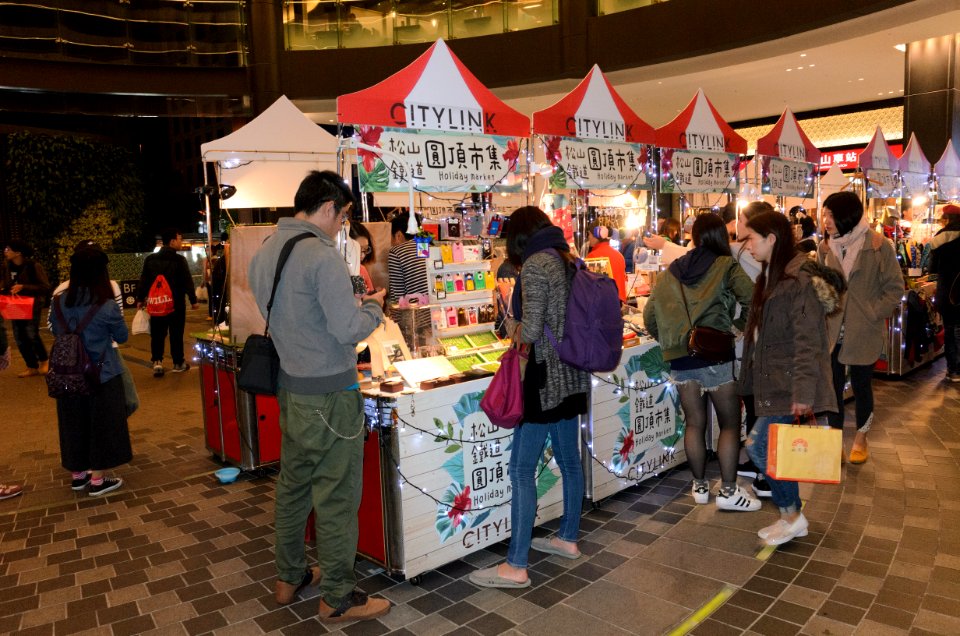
(710, 607)
(766, 551)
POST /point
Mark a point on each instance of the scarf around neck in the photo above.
(847, 247)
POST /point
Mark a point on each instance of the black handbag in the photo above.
(259, 362)
(707, 343)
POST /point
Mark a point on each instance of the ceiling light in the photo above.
(789, 69)
(803, 55)
(799, 68)
(889, 92)
(811, 65)
(900, 47)
(859, 79)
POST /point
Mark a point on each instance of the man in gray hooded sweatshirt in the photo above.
(315, 323)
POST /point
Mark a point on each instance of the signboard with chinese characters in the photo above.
(455, 488)
(915, 184)
(436, 161)
(881, 183)
(788, 178)
(601, 165)
(637, 422)
(846, 159)
(684, 172)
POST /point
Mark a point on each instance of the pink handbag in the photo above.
(503, 399)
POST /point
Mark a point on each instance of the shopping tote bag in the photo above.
(804, 453)
(503, 399)
(16, 307)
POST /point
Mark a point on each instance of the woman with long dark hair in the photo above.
(93, 428)
(786, 356)
(554, 396)
(874, 288)
(702, 288)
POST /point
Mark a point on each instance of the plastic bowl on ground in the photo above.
(227, 475)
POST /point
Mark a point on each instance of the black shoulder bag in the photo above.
(259, 362)
(707, 343)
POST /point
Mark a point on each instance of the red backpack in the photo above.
(160, 298)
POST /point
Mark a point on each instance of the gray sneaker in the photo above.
(180, 368)
(157, 370)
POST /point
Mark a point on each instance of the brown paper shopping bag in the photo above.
(804, 453)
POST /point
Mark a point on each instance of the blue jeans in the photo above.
(786, 494)
(528, 443)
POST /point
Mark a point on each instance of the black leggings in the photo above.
(861, 379)
(726, 403)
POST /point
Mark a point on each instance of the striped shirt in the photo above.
(408, 275)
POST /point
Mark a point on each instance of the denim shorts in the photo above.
(709, 378)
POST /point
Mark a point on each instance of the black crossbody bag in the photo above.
(707, 343)
(259, 362)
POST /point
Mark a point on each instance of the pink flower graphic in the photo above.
(461, 505)
(369, 135)
(627, 446)
(512, 155)
(552, 150)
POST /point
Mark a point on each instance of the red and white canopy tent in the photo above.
(592, 136)
(700, 152)
(789, 160)
(947, 173)
(435, 92)
(879, 165)
(593, 110)
(914, 169)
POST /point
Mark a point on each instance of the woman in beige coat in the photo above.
(869, 264)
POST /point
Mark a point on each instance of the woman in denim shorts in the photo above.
(702, 288)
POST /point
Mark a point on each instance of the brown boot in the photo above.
(356, 606)
(285, 592)
(28, 373)
(44, 367)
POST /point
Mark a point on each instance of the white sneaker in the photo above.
(782, 531)
(739, 500)
(701, 494)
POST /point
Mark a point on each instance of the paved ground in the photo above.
(174, 552)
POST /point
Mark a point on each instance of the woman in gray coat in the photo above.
(869, 264)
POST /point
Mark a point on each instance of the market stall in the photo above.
(789, 162)
(598, 149)
(262, 164)
(443, 479)
(911, 329)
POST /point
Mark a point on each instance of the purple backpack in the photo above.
(593, 331)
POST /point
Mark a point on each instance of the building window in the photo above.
(332, 24)
(615, 6)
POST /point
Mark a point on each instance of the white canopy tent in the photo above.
(268, 158)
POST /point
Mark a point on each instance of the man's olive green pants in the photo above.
(321, 463)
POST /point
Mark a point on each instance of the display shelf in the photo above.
(477, 266)
(466, 329)
(462, 298)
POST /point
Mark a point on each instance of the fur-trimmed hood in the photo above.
(828, 283)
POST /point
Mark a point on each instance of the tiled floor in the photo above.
(173, 552)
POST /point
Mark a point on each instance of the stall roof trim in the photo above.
(788, 141)
(700, 127)
(280, 133)
(913, 159)
(878, 155)
(949, 164)
(434, 92)
(593, 110)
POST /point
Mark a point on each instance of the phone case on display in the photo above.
(468, 284)
(486, 249)
(472, 316)
(461, 317)
(439, 286)
(451, 316)
(479, 281)
(471, 253)
(495, 224)
(458, 282)
(453, 228)
(457, 252)
(446, 253)
(473, 225)
(450, 284)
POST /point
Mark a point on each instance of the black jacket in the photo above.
(32, 276)
(945, 263)
(174, 268)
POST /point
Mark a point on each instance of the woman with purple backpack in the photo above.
(554, 396)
